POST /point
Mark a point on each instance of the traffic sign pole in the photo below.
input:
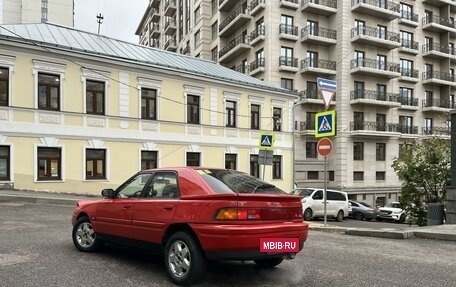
(326, 194)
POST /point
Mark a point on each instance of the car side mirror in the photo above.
(108, 193)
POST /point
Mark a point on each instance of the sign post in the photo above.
(324, 147)
(266, 152)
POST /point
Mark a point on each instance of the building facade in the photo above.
(393, 62)
(37, 11)
(80, 112)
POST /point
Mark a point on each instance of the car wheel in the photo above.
(359, 216)
(184, 259)
(307, 214)
(340, 216)
(268, 263)
(402, 218)
(84, 237)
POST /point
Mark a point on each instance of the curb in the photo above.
(392, 234)
(37, 199)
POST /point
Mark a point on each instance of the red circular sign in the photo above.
(324, 146)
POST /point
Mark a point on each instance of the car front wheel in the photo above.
(268, 263)
(340, 216)
(184, 259)
(359, 216)
(307, 214)
(84, 237)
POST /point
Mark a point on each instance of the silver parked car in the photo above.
(362, 210)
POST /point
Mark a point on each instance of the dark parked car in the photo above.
(362, 210)
(193, 215)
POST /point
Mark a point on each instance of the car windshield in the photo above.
(226, 181)
(303, 192)
(394, 205)
(365, 204)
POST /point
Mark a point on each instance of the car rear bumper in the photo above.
(242, 242)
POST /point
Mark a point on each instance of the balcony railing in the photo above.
(407, 101)
(439, 104)
(445, 21)
(373, 126)
(307, 126)
(288, 29)
(376, 33)
(409, 44)
(438, 48)
(238, 11)
(321, 64)
(438, 75)
(375, 64)
(373, 95)
(288, 61)
(411, 73)
(328, 3)
(255, 3)
(320, 32)
(241, 68)
(256, 33)
(407, 129)
(440, 131)
(409, 16)
(258, 63)
(388, 5)
(240, 39)
(310, 94)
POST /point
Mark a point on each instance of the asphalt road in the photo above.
(36, 250)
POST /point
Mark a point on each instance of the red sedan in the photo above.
(194, 215)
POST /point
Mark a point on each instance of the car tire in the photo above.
(340, 216)
(358, 216)
(307, 214)
(84, 237)
(379, 219)
(402, 218)
(268, 263)
(184, 260)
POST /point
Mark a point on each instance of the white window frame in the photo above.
(49, 68)
(95, 144)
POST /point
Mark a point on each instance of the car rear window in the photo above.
(226, 181)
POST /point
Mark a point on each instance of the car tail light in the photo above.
(259, 213)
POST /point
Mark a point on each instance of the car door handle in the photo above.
(127, 207)
(168, 208)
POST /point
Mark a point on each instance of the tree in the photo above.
(424, 169)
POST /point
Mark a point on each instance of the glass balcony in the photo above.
(369, 97)
(288, 32)
(439, 78)
(375, 37)
(234, 21)
(378, 8)
(319, 36)
(438, 24)
(235, 47)
(257, 66)
(311, 66)
(375, 67)
(319, 7)
(435, 50)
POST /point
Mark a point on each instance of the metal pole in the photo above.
(325, 202)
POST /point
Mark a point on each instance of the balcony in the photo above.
(409, 19)
(186, 50)
(235, 47)
(407, 131)
(438, 24)
(241, 68)
(436, 131)
(256, 6)
(257, 66)
(435, 50)
(437, 105)
(409, 75)
(375, 37)
(155, 31)
(375, 68)
(227, 5)
(439, 78)
(155, 43)
(289, 4)
(407, 103)
(307, 128)
(154, 3)
(319, 7)
(368, 97)
(170, 26)
(288, 64)
(288, 32)
(312, 97)
(257, 36)
(409, 47)
(155, 15)
(373, 129)
(311, 66)
(170, 45)
(234, 21)
(170, 7)
(318, 36)
(381, 9)
(440, 3)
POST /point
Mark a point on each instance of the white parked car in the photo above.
(392, 211)
(337, 205)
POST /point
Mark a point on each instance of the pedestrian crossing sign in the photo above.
(325, 124)
(266, 141)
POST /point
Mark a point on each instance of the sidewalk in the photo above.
(440, 232)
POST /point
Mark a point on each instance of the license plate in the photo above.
(272, 245)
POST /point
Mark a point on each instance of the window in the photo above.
(5, 163)
(310, 120)
(380, 122)
(215, 30)
(358, 175)
(428, 126)
(255, 117)
(148, 104)
(406, 67)
(358, 90)
(286, 57)
(95, 164)
(286, 24)
(381, 30)
(311, 150)
(231, 114)
(4, 86)
(193, 159)
(358, 59)
(381, 62)
(215, 54)
(428, 98)
(49, 163)
(312, 174)
(312, 28)
(381, 92)
(380, 175)
(358, 118)
(331, 175)
(358, 151)
(286, 83)
(406, 11)
(95, 97)
(311, 90)
(312, 59)
(428, 71)
(48, 92)
(277, 167)
(359, 27)
(214, 5)
(149, 159)
(193, 109)
(197, 14)
(197, 38)
(380, 151)
(406, 39)
(277, 118)
(406, 125)
(230, 161)
(254, 166)
(406, 96)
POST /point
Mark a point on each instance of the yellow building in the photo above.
(80, 112)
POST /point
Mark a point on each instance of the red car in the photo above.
(194, 214)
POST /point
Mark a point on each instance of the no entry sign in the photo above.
(324, 146)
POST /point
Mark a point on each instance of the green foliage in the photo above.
(424, 169)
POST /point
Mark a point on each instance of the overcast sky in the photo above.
(121, 17)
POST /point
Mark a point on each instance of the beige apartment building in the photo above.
(80, 112)
(37, 11)
(393, 62)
